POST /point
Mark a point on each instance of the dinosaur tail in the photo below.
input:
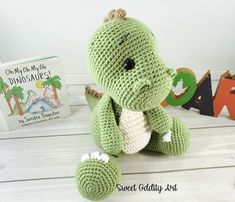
(92, 97)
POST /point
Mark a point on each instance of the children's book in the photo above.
(32, 91)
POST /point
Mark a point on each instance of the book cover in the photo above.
(32, 91)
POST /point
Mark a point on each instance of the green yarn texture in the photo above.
(178, 145)
(124, 61)
(97, 179)
(104, 127)
(141, 88)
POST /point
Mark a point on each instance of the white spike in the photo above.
(85, 157)
(167, 137)
(95, 155)
(105, 158)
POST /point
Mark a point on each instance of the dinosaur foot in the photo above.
(97, 176)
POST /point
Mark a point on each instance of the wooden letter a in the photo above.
(202, 98)
(225, 95)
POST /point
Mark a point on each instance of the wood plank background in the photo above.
(38, 163)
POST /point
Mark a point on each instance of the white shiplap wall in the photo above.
(197, 34)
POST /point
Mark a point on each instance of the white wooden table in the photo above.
(39, 163)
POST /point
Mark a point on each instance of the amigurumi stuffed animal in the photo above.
(128, 117)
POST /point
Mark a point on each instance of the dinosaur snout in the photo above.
(142, 85)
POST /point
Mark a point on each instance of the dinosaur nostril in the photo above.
(142, 85)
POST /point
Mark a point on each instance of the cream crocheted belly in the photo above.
(136, 131)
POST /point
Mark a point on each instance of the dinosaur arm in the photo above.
(159, 120)
(111, 138)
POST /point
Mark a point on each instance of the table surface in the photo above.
(38, 163)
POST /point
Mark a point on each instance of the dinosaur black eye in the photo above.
(128, 64)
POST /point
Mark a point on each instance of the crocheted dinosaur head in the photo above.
(124, 61)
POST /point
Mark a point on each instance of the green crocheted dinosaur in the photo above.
(127, 118)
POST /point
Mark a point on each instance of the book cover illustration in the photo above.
(33, 91)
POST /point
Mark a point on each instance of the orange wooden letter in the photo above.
(225, 95)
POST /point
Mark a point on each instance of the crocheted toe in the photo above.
(176, 141)
(97, 176)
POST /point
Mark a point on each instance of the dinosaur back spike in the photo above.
(92, 97)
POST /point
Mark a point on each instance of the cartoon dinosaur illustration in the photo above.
(40, 105)
(24, 105)
(55, 83)
(49, 94)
